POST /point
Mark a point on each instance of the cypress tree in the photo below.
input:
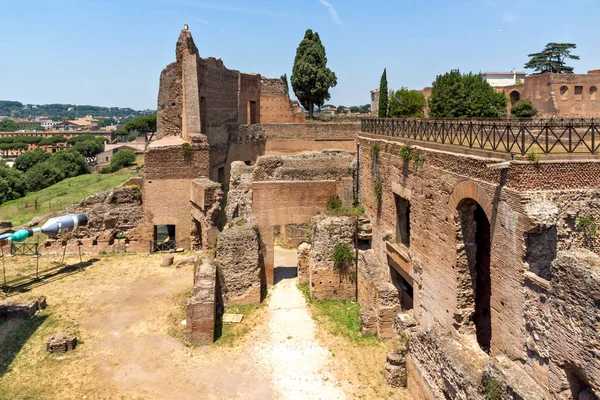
(383, 95)
(311, 79)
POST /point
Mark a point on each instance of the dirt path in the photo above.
(287, 347)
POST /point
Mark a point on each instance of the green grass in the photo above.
(340, 318)
(59, 196)
(228, 334)
(305, 290)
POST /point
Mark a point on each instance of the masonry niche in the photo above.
(402, 220)
(474, 288)
(164, 237)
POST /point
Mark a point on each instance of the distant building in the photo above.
(375, 101)
(47, 123)
(501, 79)
(560, 95)
(66, 126)
(107, 155)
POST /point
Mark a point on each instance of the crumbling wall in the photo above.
(275, 104)
(328, 282)
(303, 263)
(379, 299)
(240, 265)
(239, 197)
(201, 307)
(206, 199)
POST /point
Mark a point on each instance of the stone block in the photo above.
(167, 260)
(61, 343)
(303, 263)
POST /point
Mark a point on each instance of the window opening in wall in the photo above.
(164, 238)
(221, 175)
(593, 91)
(203, 115)
(514, 97)
(578, 92)
(564, 92)
(402, 220)
(405, 290)
(251, 112)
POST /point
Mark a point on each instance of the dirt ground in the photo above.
(127, 310)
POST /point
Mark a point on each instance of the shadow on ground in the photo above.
(282, 273)
(16, 339)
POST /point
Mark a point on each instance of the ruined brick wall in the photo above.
(169, 108)
(201, 307)
(275, 104)
(249, 99)
(556, 94)
(520, 250)
(328, 282)
(312, 131)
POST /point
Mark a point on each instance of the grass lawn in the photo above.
(59, 196)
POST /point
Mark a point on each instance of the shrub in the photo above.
(523, 109)
(187, 148)
(342, 256)
(334, 203)
(533, 156)
(406, 151)
(40, 176)
(378, 191)
(418, 159)
(30, 158)
(588, 226)
(70, 162)
(123, 158)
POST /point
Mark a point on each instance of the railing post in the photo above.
(522, 133)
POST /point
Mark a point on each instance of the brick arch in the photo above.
(470, 190)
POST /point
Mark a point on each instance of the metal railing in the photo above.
(509, 136)
(156, 246)
(24, 249)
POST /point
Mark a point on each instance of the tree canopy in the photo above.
(552, 59)
(383, 95)
(27, 160)
(311, 79)
(456, 95)
(8, 125)
(123, 158)
(523, 109)
(145, 123)
(406, 103)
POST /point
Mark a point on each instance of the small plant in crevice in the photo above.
(375, 151)
(533, 156)
(418, 159)
(343, 256)
(587, 226)
(406, 151)
(492, 390)
(187, 149)
(334, 204)
(309, 233)
(378, 192)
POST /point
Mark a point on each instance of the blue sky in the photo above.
(111, 52)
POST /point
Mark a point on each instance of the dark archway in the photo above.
(514, 97)
(473, 267)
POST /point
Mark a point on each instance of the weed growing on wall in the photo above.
(187, 148)
(587, 226)
(375, 151)
(378, 192)
(418, 159)
(334, 204)
(533, 156)
(492, 390)
(406, 151)
(343, 256)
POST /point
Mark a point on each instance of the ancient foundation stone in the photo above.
(395, 368)
(303, 263)
(327, 282)
(201, 308)
(240, 264)
(167, 260)
(503, 379)
(21, 307)
(61, 343)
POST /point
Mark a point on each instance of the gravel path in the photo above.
(287, 347)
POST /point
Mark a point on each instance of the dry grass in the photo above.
(359, 360)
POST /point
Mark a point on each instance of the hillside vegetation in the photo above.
(59, 196)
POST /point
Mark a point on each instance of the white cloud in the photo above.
(202, 21)
(332, 12)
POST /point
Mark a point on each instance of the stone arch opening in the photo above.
(564, 92)
(474, 288)
(514, 97)
(593, 91)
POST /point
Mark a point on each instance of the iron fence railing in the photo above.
(511, 136)
(156, 246)
(24, 249)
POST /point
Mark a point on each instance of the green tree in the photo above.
(7, 125)
(42, 175)
(406, 103)
(284, 79)
(146, 123)
(311, 79)
(30, 158)
(123, 158)
(455, 95)
(17, 186)
(383, 95)
(552, 59)
(523, 109)
(70, 162)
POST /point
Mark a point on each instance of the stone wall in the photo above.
(312, 131)
(201, 307)
(328, 281)
(275, 104)
(240, 265)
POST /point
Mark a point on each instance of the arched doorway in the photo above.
(474, 289)
(514, 97)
